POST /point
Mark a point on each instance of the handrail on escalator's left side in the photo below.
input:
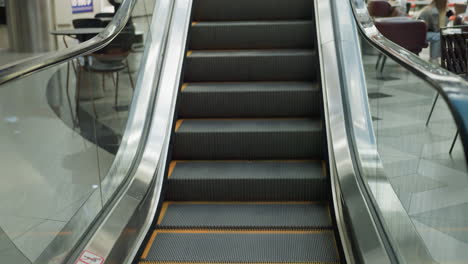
(26, 67)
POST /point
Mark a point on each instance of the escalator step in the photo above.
(259, 99)
(215, 139)
(228, 246)
(204, 10)
(251, 65)
(252, 35)
(267, 215)
(247, 181)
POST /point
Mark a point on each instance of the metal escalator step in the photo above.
(204, 10)
(247, 181)
(218, 139)
(259, 99)
(227, 246)
(252, 35)
(267, 215)
(251, 65)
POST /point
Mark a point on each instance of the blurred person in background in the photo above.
(435, 16)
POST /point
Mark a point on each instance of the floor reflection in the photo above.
(431, 184)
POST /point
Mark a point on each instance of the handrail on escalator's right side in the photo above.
(25, 67)
(452, 88)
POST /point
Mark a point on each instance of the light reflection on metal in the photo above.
(399, 230)
(399, 238)
(132, 214)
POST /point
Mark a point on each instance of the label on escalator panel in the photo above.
(89, 258)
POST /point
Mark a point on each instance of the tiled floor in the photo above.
(432, 184)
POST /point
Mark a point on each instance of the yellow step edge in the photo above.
(148, 246)
(162, 214)
(178, 124)
(172, 166)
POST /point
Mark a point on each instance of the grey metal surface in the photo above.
(249, 139)
(149, 173)
(248, 181)
(222, 10)
(352, 145)
(13, 71)
(259, 99)
(252, 35)
(129, 209)
(254, 125)
(361, 237)
(314, 189)
(29, 25)
(205, 170)
(247, 215)
(402, 236)
(251, 65)
(244, 248)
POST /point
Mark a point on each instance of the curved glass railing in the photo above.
(69, 122)
(413, 168)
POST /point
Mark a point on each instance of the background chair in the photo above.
(87, 23)
(379, 8)
(113, 59)
(404, 31)
(454, 45)
(104, 17)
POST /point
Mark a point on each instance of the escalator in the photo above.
(251, 137)
(247, 178)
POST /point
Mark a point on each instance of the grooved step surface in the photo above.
(214, 139)
(245, 215)
(238, 247)
(258, 99)
(246, 170)
(204, 10)
(252, 35)
(247, 181)
(251, 65)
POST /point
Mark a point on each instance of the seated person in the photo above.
(435, 16)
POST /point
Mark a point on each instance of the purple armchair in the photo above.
(404, 31)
